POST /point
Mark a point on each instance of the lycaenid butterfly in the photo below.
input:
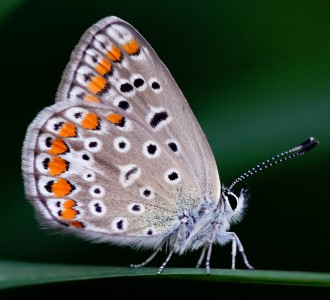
(120, 157)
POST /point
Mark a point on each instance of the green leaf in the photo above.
(17, 274)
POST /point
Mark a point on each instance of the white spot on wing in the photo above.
(151, 149)
(152, 113)
(120, 100)
(39, 164)
(122, 83)
(97, 208)
(138, 77)
(75, 114)
(155, 85)
(147, 192)
(128, 174)
(119, 224)
(88, 175)
(136, 208)
(92, 144)
(119, 33)
(97, 191)
(174, 146)
(172, 176)
(121, 144)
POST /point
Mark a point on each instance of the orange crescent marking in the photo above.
(104, 66)
(68, 212)
(91, 121)
(132, 47)
(76, 224)
(91, 98)
(57, 166)
(58, 147)
(114, 54)
(114, 118)
(68, 130)
(96, 84)
(61, 188)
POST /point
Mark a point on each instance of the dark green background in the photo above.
(256, 74)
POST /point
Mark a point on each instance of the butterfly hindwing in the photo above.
(86, 171)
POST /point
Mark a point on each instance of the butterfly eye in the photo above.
(232, 199)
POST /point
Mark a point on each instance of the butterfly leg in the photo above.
(148, 260)
(233, 253)
(179, 236)
(166, 261)
(200, 260)
(236, 243)
(209, 250)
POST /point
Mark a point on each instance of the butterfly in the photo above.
(120, 157)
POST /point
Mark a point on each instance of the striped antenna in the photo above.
(301, 149)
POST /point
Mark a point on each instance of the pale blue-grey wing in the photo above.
(100, 172)
(113, 64)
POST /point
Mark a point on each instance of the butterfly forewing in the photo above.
(120, 154)
(114, 64)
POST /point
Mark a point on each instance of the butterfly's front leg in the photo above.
(233, 253)
(236, 243)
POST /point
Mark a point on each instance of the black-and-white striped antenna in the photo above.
(301, 149)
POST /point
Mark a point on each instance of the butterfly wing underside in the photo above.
(120, 155)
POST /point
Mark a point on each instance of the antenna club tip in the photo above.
(307, 145)
(312, 139)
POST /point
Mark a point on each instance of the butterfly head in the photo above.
(233, 204)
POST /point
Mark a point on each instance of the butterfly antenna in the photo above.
(301, 149)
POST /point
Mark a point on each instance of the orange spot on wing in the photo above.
(132, 47)
(68, 212)
(104, 66)
(114, 118)
(91, 98)
(68, 130)
(77, 224)
(61, 188)
(114, 54)
(58, 147)
(97, 84)
(91, 121)
(57, 166)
